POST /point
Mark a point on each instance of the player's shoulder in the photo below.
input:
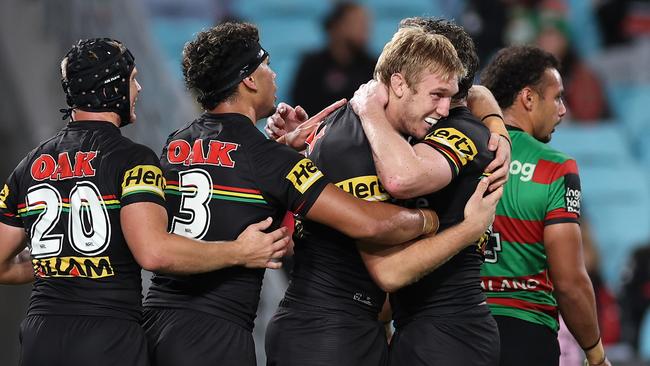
(462, 120)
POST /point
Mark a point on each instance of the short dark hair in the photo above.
(210, 54)
(514, 68)
(462, 42)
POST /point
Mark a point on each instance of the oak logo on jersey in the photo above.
(367, 187)
(3, 196)
(460, 145)
(46, 167)
(572, 194)
(83, 267)
(143, 178)
(180, 152)
(304, 174)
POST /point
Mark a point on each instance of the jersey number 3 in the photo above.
(195, 186)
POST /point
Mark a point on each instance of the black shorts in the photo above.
(526, 343)
(187, 337)
(470, 338)
(298, 337)
(60, 340)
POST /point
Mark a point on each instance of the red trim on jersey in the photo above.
(519, 231)
(560, 213)
(522, 283)
(225, 188)
(547, 172)
(524, 305)
(447, 151)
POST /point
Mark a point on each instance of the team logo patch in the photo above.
(572, 193)
(82, 267)
(365, 187)
(460, 145)
(304, 174)
(3, 196)
(143, 178)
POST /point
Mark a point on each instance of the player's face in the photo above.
(550, 109)
(430, 98)
(265, 78)
(133, 92)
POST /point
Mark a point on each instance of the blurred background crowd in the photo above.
(322, 50)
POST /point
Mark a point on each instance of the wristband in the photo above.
(427, 223)
(507, 139)
(497, 115)
(587, 349)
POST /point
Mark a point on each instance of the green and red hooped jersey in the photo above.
(543, 189)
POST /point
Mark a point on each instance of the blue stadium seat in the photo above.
(644, 337)
(256, 11)
(402, 9)
(616, 200)
(382, 31)
(289, 37)
(601, 144)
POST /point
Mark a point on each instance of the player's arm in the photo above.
(404, 171)
(377, 222)
(15, 265)
(145, 229)
(483, 105)
(395, 267)
(573, 289)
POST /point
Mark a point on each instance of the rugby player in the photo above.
(329, 312)
(90, 204)
(534, 263)
(223, 174)
(441, 319)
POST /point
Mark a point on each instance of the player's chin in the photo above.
(421, 131)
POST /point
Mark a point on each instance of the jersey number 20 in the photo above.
(89, 229)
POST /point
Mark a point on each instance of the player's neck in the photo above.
(516, 118)
(236, 107)
(79, 115)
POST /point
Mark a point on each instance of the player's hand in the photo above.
(258, 249)
(285, 119)
(480, 209)
(499, 168)
(369, 99)
(604, 363)
(296, 138)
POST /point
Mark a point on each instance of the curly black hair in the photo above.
(514, 68)
(461, 41)
(209, 54)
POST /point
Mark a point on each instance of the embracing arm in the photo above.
(378, 222)
(573, 289)
(145, 229)
(15, 265)
(395, 267)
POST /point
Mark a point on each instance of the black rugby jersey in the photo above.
(455, 286)
(328, 270)
(67, 194)
(223, 175)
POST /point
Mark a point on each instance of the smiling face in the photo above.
(134, 89)
(429, 98)
(550, 106)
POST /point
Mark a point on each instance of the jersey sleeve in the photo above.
(141, 178)
(564, 192)
(9, 201)
(459, 146)
(287, 176)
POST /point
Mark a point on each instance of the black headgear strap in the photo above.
(241, 67)
(97, 78)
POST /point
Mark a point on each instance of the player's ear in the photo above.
(527, 98)
(398, 84)
(250, 83)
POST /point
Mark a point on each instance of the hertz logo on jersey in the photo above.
(304, 174)
(454, 143)
(83, 267)
(3, 196)
(367, 187)
(143, 178)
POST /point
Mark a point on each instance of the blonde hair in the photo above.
(412, 50)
